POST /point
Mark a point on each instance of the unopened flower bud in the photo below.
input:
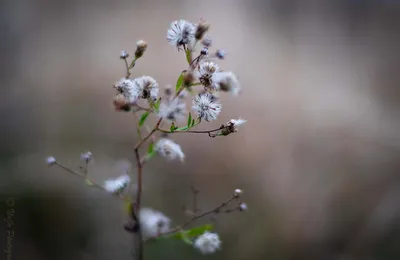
(204, 51)
(124, 55)
(238, 192)
(188, 78)
(201, 29)
(206, 42)
(50, 160)
(243, 206)
(141, 47)
(168, 91)
(220, 54)
(121, 104)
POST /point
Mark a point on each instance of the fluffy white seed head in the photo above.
(238, 192)
(207, 106)
(226, 81)
(243, 206)
(153, 222)
(181, 33)
(148, 87)
(128, 89)
(51, 160)
(236, 123)
(172, 109)
(117, 185)
(87, 156)
(208, 243)
(169, 149)
(206, 71)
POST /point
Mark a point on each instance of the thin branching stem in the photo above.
(215, 210)
(92, 183)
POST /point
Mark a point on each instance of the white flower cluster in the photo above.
(185, 34)
(143, 87)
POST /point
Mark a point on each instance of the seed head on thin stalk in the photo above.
(181, 34)
(207, 106)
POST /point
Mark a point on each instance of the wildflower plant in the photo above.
(203, 81)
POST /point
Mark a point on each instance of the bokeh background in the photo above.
(319, 158)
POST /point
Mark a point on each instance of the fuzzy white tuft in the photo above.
(117, 185)
(207, 106)
(167, 148)
(181, 33)
(153, 223)
(208, 243)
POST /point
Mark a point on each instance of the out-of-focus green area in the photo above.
(318, 159)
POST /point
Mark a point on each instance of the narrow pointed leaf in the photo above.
(189, 120)
(143, 118)
(151, 148)
(189, 56)
(179, 82)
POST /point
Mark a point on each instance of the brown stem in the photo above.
(192, 131)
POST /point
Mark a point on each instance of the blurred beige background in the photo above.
(319, 158)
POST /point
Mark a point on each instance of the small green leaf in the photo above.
(151, 148)
(185, 128)
(189, 120)
(128, 206)
(189, 56)
(157, 104)
(193, 122)
(151, 155)
(193, 232)
(179, 82)
(143, 118)
(185, 238)
(172, 127)
(89, 182)
(197, 231)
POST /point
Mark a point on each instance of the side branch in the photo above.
(209, 132)
(194, 218)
